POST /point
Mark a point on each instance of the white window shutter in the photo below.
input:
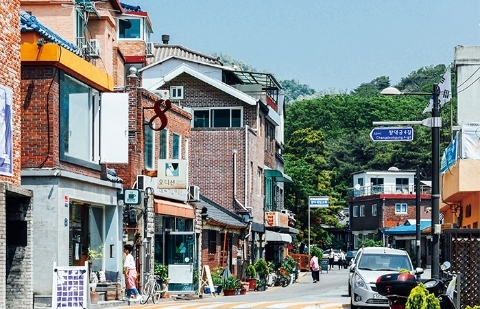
(114, 128)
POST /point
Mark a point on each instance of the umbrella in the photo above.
(226, 273)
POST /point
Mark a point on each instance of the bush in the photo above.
(250, 272)
(262, 268)
(161, 271)
(317, 252)
(289, 264)
(420, 298)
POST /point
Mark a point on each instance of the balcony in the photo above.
(386, 189)
(461, 180)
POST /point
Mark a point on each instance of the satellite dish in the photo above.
(357, 186)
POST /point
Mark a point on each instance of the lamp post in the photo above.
(435, 122)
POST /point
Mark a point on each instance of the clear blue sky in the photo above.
(326, 44)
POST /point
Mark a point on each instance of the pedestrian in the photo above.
(331, 259)
(130, 274)
(341, 259)
(315, 268)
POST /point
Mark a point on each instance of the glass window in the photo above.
(374, 210)
(212, 241)
(401, 185)
(401, 208)
(217, 118)
(176, 144)
(355, 211)
(362, 210)
(79, 121)
(149, 148)
(163, 147)
(201, 119)
(130, 28)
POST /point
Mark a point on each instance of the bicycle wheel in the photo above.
(156, 293)
(147, 292)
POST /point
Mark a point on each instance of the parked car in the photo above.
(349, 256)
(372, 263)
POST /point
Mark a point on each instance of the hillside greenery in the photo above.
(327, 139)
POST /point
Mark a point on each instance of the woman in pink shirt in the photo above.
(315, 268)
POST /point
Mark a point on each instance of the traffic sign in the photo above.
(318, 201)
(395, 134)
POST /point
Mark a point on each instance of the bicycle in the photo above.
(151, 289)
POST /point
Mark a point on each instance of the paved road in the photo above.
(329, 293)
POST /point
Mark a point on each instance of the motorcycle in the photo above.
(397, 287)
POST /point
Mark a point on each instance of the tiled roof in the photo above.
(219, 216)
(131, 8)
(30, 23)
(163, 51)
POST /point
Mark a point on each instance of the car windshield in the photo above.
(384, 262)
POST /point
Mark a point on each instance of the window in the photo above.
(362, 210)
(212, 241)
(401, 208)
(149, 148)
(176, 146)
(360, 181)
(130, 28)
(355, 211)
(374, 210)
(377, 185)
(163, 147)
(401, 185)
(176, 92)
(79, 121)
(217, 118)
(269, 138)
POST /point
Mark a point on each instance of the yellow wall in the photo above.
(53, 54)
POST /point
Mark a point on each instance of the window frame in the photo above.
(207, 119)
(355, 211)
(212, 241)
(374, 210)
(141, 28)
(176, 146)
(149, 151)
(163, 146)
(400, 206)
(362, 211)
(174, 90)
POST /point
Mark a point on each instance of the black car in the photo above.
(349, 256)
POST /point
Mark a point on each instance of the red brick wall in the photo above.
(10, 75)
(215, 259)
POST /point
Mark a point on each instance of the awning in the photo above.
(168, 208)
(277, 175)
(277, 237)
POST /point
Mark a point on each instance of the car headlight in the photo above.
(359, 282)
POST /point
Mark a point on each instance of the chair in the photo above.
(112, 285)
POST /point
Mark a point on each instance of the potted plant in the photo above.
(261, 285)
(262, 268)
(251, 274)
(217, 278)
(230, 285)
(161, 271)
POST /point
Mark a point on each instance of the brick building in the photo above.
(16, 201)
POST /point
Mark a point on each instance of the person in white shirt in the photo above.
(130, 274)
(341, 259)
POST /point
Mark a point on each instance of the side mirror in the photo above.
(419, 271)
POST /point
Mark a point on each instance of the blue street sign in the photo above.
(396, 134)
(318, 201)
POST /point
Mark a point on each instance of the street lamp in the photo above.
(435, 122)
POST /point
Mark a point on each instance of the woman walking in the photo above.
(315, 268)
(130, 274)
(331, 259)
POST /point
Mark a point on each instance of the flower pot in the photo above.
(252, 284)
(243, 291)
(229, 292)
(94, 297)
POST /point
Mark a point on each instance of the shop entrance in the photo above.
(180, 249)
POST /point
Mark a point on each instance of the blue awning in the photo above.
(277, 175)
(409, 228)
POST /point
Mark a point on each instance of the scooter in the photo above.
(397, 287)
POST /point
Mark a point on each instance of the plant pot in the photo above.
(243, 291)
(94, 297)
(229, 292)
(218, 289)
(261, 288)
(252, 284)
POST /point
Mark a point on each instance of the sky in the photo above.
(329, 45)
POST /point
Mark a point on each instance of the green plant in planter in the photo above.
(289, 264)
(420, 298)
(262, 269)
(161, 271)
(260, 283)
(231, 283)
(250, 272)
(317, 252)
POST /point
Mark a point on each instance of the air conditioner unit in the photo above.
(194, 193)
(150, 49)
(94, 48)
(144, 182)
(163, 93)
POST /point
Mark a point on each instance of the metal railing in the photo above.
(386, 189)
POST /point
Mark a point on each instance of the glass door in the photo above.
(181, 263)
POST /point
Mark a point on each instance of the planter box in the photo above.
(229, 292)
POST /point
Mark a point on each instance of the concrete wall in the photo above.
(467, 63)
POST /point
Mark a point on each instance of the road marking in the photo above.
(240, 305)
